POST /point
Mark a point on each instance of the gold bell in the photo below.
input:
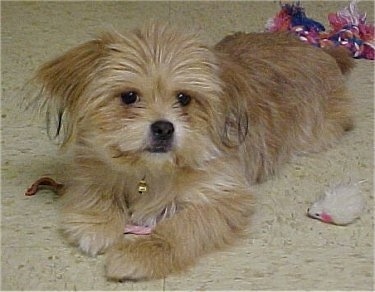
(142, 187)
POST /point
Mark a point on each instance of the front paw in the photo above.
(142, 258)
(92, 234)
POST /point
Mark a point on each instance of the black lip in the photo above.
(159, 148)
(160, 145)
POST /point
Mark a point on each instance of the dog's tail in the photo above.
(342, 57)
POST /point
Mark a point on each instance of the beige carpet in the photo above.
(285, 250)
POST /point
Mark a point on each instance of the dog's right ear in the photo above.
(62, 84)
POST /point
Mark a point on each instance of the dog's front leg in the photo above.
(92, 218)
(178, 241)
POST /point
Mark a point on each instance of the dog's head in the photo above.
(152, 94)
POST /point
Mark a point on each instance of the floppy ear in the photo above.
(236, 119)
(62, 83)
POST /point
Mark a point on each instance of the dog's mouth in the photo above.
(160, 147)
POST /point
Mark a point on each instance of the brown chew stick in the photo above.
(43, 182)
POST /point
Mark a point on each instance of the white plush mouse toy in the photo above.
(340, 205)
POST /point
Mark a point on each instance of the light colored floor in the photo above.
(285, 250)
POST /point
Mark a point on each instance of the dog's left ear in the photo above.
(235, 123)
(63, 82)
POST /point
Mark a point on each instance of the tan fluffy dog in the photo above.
(168, 135)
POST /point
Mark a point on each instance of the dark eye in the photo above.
(183, 99)
(129, 97)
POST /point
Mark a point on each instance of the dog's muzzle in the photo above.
(162, 136)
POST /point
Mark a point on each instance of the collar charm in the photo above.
(142, 186)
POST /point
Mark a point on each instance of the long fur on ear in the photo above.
(236, 120)
(62, 82)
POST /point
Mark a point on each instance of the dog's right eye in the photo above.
(129, 97)
(183, 99)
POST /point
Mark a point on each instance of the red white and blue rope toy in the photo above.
(348, 28)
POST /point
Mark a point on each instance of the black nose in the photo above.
(162, 130)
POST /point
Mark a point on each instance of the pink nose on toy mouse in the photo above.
(326, 218)
(322, 216)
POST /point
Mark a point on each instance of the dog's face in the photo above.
(151, 95)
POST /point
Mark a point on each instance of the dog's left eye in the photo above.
(183, 99)
(129, 97)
